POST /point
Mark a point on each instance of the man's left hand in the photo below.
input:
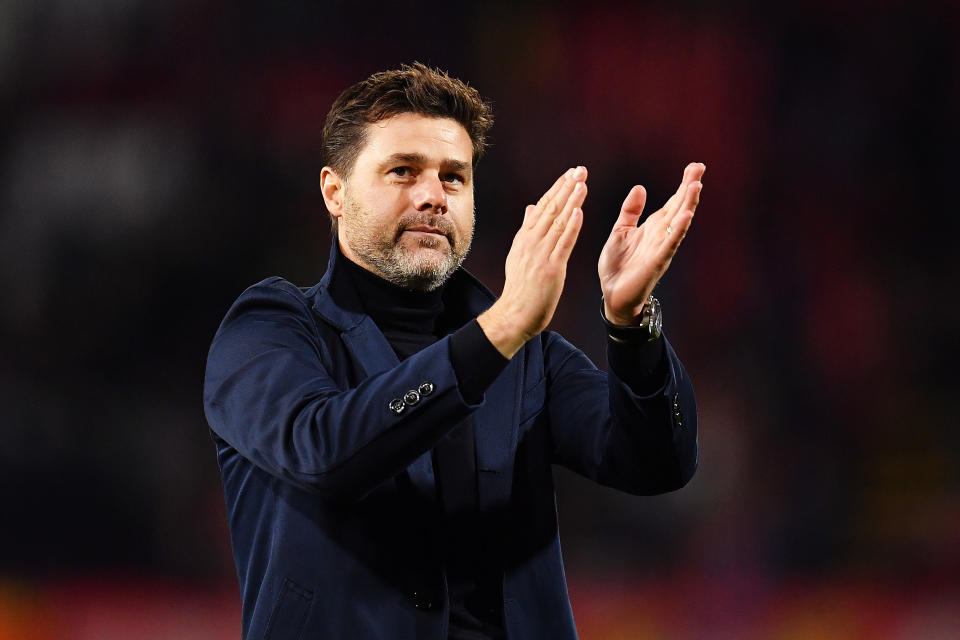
(635, 258)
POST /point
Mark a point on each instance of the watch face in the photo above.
(656, 319)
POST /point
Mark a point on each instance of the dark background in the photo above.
(158, 158)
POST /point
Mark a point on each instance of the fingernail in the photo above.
(569, 173)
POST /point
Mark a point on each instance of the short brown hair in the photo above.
(414, 88)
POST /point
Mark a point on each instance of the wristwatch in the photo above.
(650, 327)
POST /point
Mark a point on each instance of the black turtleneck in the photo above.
(408, 319)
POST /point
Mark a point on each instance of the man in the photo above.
(386, 436)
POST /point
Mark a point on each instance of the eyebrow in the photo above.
(447, 164)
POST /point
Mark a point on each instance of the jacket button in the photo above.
(396, 406)
(421, 600)
(411, 398)
(425, 389)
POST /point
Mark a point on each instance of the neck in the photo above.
(392, 307)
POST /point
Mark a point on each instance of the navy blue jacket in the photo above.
(330, 491)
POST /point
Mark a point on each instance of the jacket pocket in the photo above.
(289, 613)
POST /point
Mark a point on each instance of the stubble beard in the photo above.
(393, 260)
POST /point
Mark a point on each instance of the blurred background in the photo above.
(158, 158)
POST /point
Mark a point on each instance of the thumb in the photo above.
(632, 207)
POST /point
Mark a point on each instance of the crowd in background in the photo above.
(158, 158)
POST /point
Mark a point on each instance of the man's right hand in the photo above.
(536, 266)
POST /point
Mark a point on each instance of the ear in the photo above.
(331, 186)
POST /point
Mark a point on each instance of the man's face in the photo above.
(408, 203)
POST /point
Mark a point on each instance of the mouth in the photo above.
(426, 230)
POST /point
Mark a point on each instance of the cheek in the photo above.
(378, 196)
(465, 216)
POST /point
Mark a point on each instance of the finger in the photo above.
(692, 198)
(558, 204)
(547, 197)
(689, 202)
(575, 200)
(568, 238)
(680, 223)
(632, 207)
(528, 215)
(691, 173)
(670, 206)
(679, 226)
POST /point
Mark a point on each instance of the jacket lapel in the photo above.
(369, 347)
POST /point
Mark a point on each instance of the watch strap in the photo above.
(633, 333)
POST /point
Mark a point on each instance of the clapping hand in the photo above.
(536, 266)
(635, 257)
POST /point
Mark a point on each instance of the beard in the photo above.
(421, 263)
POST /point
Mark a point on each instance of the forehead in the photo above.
(435, 138)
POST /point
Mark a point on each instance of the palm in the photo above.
(635, 257)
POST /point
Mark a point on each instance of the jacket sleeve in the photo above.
(269, 394)
(605, 431)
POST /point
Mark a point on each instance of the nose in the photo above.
(430, 194)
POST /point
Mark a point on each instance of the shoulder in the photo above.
(276, 286)
(272, 297)
(274, 290)
(271, 314)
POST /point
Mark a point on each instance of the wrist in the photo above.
(502, 330)
(620, 318)
(647, 324)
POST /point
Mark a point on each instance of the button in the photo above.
(425, 389)
(396, 406)
(411, 398)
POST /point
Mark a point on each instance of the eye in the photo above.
(454, 178)
(402, 172)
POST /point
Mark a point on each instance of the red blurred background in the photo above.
(157, 158)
